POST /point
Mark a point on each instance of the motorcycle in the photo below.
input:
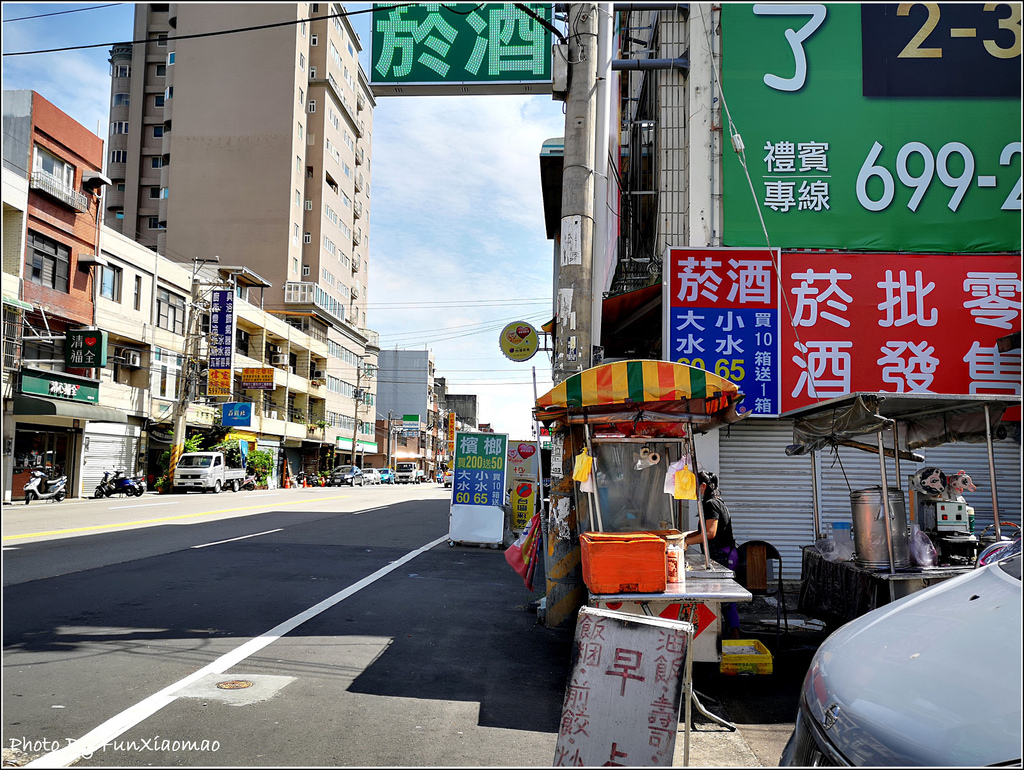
(118, 484)
(250, 483)
(42, 487)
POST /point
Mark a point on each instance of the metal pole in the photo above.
(574, 296)
(885, 504)
(356, 395)
(992, 473)
(187, 374)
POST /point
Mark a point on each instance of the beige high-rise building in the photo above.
(254, 145)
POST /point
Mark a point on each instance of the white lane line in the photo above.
(243, 537)
(141, 505)
(96, 738)
(367, 510)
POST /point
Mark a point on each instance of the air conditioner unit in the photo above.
(133, 358)
(319, 374)
(276, 348)
(281, 360)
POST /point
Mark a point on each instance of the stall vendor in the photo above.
(721, 543)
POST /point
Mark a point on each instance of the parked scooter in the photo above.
(118, 484)
(42, 487)
(250, 482)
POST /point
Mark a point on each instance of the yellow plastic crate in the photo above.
(737, 658)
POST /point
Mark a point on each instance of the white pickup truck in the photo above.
(206, 471)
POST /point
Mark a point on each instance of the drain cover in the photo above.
(234, 684)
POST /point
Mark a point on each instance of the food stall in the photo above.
(634, 422)
(899, 544)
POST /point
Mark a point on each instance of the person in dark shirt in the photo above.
(721, 543)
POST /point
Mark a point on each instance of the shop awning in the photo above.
(656, 386)
(15, 302)
(28, 405)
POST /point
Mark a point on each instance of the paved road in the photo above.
(367, 640)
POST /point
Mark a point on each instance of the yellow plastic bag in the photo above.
(686, 484)
(581, 471)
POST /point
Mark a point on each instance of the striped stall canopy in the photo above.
(635, 383)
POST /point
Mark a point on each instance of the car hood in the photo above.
(932, 679)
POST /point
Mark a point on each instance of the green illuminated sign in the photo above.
(431, 45)
(85, 349)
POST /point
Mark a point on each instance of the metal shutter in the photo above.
(769, 494)
(106, 453)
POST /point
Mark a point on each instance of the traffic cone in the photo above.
(287, 482)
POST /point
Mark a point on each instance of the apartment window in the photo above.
(241, 341)
(295, 265)
(298, 164)
(166, 371)
(122, 70)
(169, 92)
(47, 262)
(302, 59)
(307, 237)
(119, 214)
(298, 198)
(161, 70)
(122, 100)
(309, 172)
(303, 28)
(313, 39)
(302, 98)
(314, 7)
(309, 205)
(119, 127)
(295, 235)
(154, 223)
(312, 105)
(158, 131)
(158, 100)
(157, 162)
(161, 39)
(312, 72)
(54, 166)
(120, 186)
(170, 311)
(165, 193)
(305, 268)
(138, 292)
(170, 58)
(154, 192)
(300, 132)
(110, 282)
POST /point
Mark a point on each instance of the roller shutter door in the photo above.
(769, 495)
(107, 452)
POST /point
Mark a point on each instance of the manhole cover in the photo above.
(234, 684)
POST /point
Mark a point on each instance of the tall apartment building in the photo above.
(254, 146)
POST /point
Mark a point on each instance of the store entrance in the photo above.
(41, 448)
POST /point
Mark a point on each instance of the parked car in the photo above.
(387, 476)
(346, 474)
(930, 680)
(371, 476)
(448, 478)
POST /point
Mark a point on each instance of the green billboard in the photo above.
(460, 48)
(873, 127)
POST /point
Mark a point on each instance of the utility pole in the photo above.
(357, 395)
(573, 332)
(190, 371)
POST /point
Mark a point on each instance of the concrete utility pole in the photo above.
(357, 395)
(189, 372)
(575, 293)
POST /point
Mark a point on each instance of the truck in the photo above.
(407, 473)
(207, 472)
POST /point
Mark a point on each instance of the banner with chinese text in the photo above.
(898, 323)
(478, 476)
(222, 342)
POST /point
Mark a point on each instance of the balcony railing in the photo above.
(55, 188)
(357, 209)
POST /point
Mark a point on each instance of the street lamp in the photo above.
(188, 370)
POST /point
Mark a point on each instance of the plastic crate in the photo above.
(623, 562)
(737, 658)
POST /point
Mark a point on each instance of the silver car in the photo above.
(931, 680)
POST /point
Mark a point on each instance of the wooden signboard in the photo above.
(622, 702)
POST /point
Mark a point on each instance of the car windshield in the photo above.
(195, 461)
(343, 469)
(405, 466)
(1011, 566)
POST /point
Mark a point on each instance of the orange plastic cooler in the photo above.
(616, 562)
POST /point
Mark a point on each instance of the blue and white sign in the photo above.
(237, 415)
(478, 475)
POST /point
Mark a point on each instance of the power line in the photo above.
(61, 13)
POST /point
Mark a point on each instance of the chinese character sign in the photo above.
(898, 323)
(238, 415)
(723, 317)
(621, 705)
(874, 126)
(221, 341)
(478, 475)
(258, 378)
(430, 43)
(85, 349)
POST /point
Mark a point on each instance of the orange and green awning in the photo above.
(638, 382)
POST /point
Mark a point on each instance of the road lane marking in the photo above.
(243, 537)
(98, 737)
(166, 518)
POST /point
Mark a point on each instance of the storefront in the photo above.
(45, 425)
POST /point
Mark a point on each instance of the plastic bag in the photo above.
(581, 470)
(522, 554)
(922, 552)
(828, 549)
(680, 481)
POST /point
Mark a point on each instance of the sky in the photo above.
(457, 241)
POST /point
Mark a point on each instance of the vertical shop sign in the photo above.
(524, 478)
(621, 705)
(722, 315)
(874, 126)
(222, 342)
(478, 477)
(85, 349)
(899, 323)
